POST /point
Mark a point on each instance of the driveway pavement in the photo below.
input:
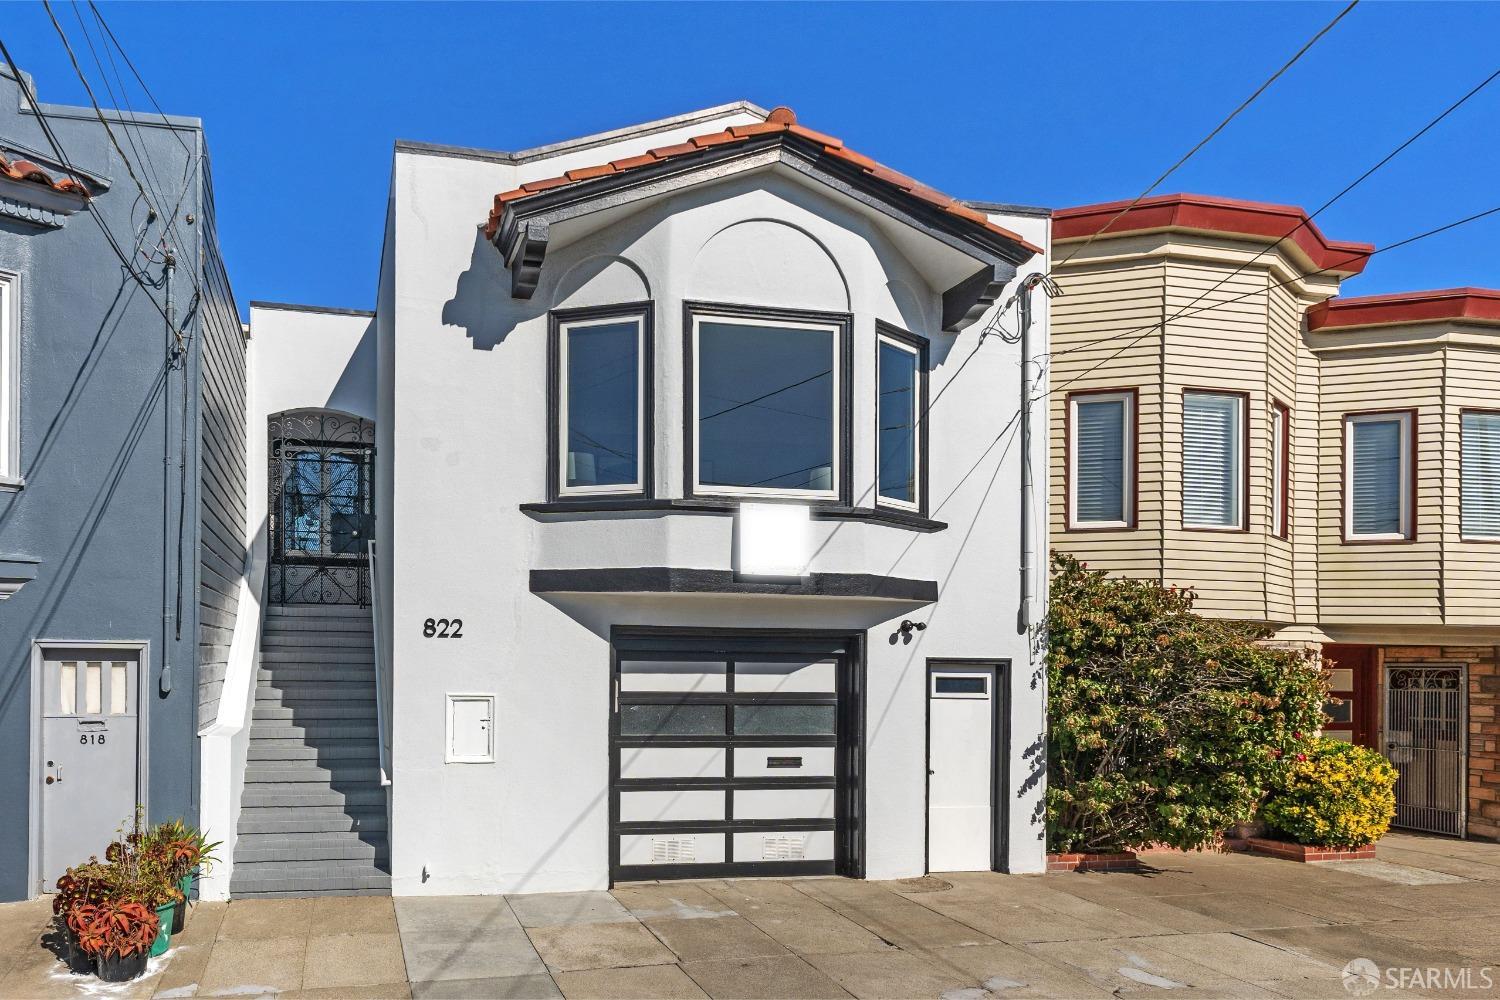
(1190, 926)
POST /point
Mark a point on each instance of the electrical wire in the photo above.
(1217, 129)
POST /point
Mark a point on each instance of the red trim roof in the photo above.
(1479, 305)
(780, 121)
(1204, 213)
(26, 171)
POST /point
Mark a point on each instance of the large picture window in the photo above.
(602, 395)
(767, 414)
(1479, 474)
(1101, 459)
(899, 412)
(1378, 476)
(1213, 460)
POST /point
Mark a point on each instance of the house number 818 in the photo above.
(443, 628)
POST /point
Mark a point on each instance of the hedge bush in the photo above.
(1333, 794)
(1163, 726)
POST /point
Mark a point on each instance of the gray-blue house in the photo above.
(122, 475)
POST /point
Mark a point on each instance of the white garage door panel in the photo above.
(671, 675)
(751, 762)
(783, 803)
(672, 762)
(795, 845)
(652, 807)
(672, 848)
(820, 677)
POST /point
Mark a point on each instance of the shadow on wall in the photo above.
(354, 393)
(481, 303)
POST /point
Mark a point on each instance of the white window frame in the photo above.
(917, 416)
(564, 329)
(1462, 413)
(1242, 407)
(1281, 417)
(1127, 466)
(696, 411)
(449, 702)
(10, 378)
(1404, 418)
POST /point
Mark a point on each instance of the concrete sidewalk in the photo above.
(1197, 925)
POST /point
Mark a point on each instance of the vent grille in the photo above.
(784, 848)
(673, 850)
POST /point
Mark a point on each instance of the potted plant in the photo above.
(185, 853)
(85, 883)
(118, 934)
(144, 872)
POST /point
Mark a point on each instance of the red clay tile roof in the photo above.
(1204, 213)
(780, 121)
(1481, 305)
(25, 170)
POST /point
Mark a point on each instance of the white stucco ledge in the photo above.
(819, 512)
(674, 580)
(15, 573)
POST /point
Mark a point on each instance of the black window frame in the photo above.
(644, 312)
(843, 324)
(887, 331)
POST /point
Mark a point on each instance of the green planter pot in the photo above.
(179, 915)
(163, 940)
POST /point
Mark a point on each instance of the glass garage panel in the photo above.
(819, 676)
(784, 720)
(671, 675)
(671, 720)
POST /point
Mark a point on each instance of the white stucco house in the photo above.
(693, 456)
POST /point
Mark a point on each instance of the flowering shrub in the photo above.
(1163, 726)
(1333, 794)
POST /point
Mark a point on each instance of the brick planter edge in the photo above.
(1124, 861)
(1308, 853)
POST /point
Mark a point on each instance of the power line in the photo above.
(1306, 221)
(1217, 129)
(138, 79)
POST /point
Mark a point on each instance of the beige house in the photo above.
(1329, 466)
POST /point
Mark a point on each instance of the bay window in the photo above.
(1213, 460)
(1101, 459)
(768, 403)
(1479, 474)
(1378, 476)
(900, 418)
(601, 390)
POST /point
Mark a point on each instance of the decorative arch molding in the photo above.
(791, 267)
(601, 279)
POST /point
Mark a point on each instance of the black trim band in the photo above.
(820, 511)
(675, 580)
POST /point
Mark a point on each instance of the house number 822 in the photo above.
(443, 628)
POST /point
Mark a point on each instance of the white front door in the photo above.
(960, 767)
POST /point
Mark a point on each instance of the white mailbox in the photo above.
(471, 729)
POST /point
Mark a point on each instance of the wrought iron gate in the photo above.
(321, 507)
(1425, 740)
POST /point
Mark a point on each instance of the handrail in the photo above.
(382, 722)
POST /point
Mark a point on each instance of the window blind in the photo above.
(1211, 460)
(1099, 461)
(1376, 477)
(1479, 473)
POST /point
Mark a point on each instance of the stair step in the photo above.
(281, 821)
(340, 672)
(320, 879)
(316, 642)
(308, 772)
(313, 712)
(316, 611)
(276, 751)
(319, 690)
(263, 849)
(292, 795)
(322, 654)
(331, 626)
(317, 731)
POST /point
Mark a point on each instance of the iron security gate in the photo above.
(1425, 740)
(735, 754)
(321, 507)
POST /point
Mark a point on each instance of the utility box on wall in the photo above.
(471, 729)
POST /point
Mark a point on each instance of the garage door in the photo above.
(734, 754)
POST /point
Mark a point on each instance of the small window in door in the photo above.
(960, 685)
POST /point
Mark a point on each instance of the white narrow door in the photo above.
(960, 768)
(90, 715)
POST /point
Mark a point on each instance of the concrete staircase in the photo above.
(313, 813)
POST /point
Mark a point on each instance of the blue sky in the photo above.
(1045, 104)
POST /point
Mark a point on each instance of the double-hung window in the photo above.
(768, 406)
(900, 415)
(602, 394)
(1479, 474)
(1281, 455)
(1213, 460)
(1101, 459)
(1378, 476)
(10, 378)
